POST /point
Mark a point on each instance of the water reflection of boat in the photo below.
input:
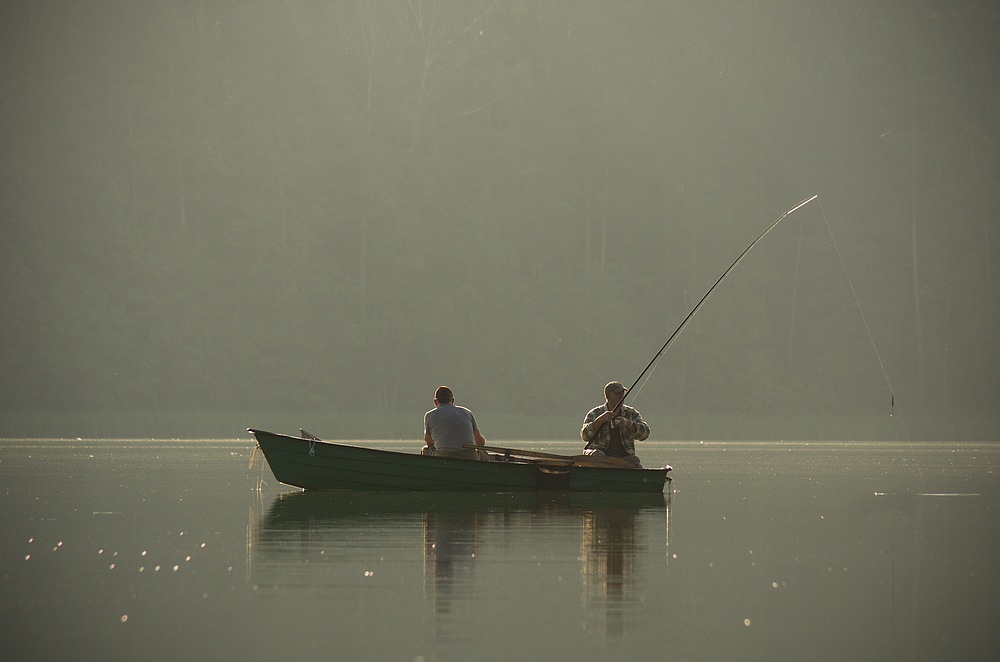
(326, 543)
(451, 546)
(608, 543)
(318, 508)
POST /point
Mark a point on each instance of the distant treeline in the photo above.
(333, 207)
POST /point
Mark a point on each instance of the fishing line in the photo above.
(871, 337)
(857, 302)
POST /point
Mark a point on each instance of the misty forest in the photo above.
(221, 214)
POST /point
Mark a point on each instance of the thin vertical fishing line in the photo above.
(857, 302)
(644, 381)
(871, 337)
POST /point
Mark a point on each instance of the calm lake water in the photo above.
(180, 550)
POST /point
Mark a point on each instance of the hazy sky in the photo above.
(320, 211)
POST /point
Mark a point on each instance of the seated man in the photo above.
(448, 427)
(613, 428)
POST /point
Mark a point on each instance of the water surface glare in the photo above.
(181, 550)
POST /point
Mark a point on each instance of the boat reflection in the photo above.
(607, 552)
(326, 544)
(451, 546)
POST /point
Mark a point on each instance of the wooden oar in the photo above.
(552, 458)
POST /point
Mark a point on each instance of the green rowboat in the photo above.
(314, 464)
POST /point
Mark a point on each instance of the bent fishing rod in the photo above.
(710, 290)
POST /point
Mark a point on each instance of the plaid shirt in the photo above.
(602, 438)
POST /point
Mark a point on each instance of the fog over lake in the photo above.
(313, 213)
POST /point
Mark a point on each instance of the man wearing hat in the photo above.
(613, 428)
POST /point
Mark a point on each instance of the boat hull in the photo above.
(323, 465)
